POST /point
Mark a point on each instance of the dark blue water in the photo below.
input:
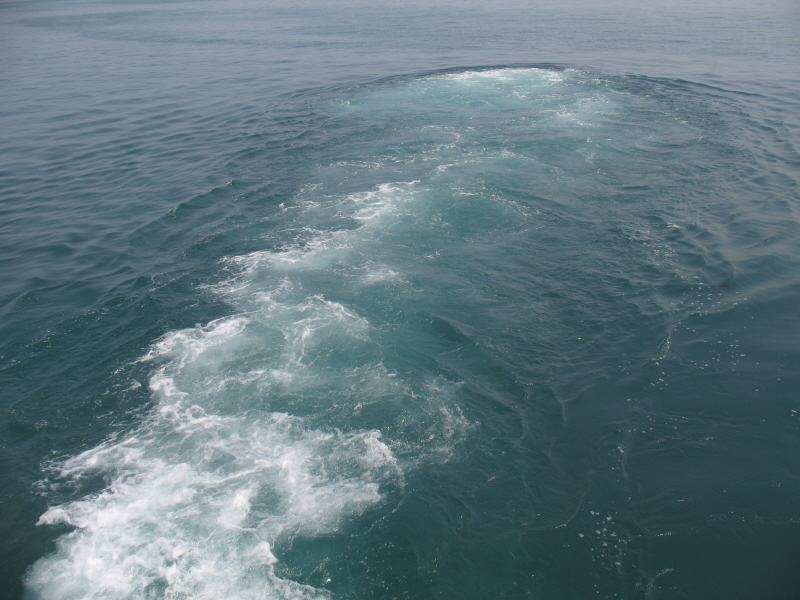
(372, 301)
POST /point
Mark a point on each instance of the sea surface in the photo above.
(354, 300)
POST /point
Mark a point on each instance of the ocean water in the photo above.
(369, 301)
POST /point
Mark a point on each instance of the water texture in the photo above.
(361, 301)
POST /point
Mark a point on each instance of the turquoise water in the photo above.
(359, 301)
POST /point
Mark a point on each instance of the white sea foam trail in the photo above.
(197, 500)
(258, 434)
(204, 489)
(297, 413)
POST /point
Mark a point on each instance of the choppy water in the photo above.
(359, 301)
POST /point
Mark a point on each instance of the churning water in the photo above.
(299, 303)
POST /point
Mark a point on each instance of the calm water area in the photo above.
(355, 300)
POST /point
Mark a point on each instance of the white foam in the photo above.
(196, 502)
(526, 76)
(212, 481)
(322, 247)
(188, 344)
(262, 427)
(495, 74)
(198, 498)
(380, 274)
(315, 249)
